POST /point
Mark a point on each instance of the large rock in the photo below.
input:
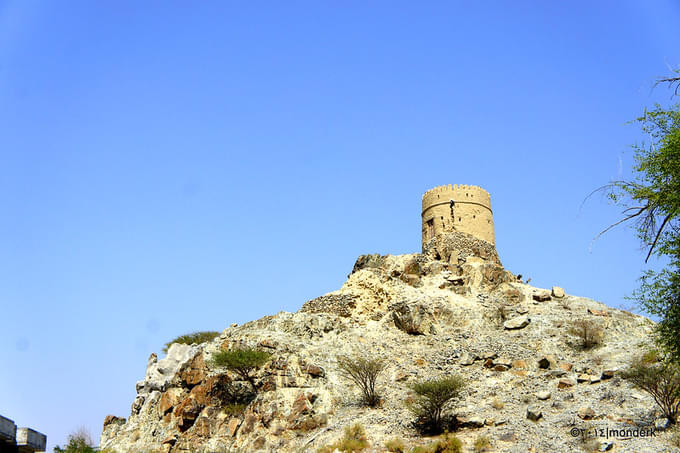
(414, 318)
(541, 296)
(557, 292)
(518, 322)
(586, 413)
(534, 413)
(159, 373)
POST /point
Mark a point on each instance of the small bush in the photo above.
(234, 408)
(79, 441)
(395, 446)
(649, 357)
(447, 444)
(364, 373)
(432, 399)
(661, 380)
(229, 395)
(482, 443)
(242, 362)
(192, 338)
(587, 331)
(354, 440)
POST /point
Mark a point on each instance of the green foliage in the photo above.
(433, 397)
(587, 331)
(242, 362)
(78, 442)
(659, 295)
(650, 357)
(652, 201)
(192, 338)
(364, 373)
(354, 441)
(482, 443)
(448, 443)
(234, 408)
(661, 379)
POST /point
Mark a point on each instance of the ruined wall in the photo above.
(470, 213)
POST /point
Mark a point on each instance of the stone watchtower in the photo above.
(458, 217)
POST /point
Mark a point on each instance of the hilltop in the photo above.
(453, 309)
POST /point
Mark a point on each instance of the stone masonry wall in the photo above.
(471, 212)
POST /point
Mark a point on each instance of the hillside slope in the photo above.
(428, 317)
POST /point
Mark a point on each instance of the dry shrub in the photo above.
(354, 441)
(588, 332)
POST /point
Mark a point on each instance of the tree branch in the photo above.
(658, 234)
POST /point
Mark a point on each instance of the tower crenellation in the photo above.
(457, 208)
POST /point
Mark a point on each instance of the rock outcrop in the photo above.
(433, 314)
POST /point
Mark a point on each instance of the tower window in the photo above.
(430, 228)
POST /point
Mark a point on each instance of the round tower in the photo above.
(458, 208)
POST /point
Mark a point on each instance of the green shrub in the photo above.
(192, 338)
(364, 372)
(587, 331)
(395, 446)
(482, 443)
(651, 356)
(79, 441)
(234, 408)
(446, 444)
(242, 362)
(354, 441)
(432, 399)
(660, 379)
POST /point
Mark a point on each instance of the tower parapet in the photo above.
(457, 208)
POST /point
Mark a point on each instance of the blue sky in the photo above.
(168, 167)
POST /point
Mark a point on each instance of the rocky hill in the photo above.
(529, 383)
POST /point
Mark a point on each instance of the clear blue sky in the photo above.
(168, 167)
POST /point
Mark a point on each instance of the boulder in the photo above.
(557, 292)
(521, 364)
(566, 366)
(475, 422)
(608, 374)
(542, 296)
(113, 420)
(565, 383)
(414, 318)
(534, 413)
(315, 371)
(159, 373)
(544, 395)
(466, 359)
(604, 313)
(586, 413)
(518, 322)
